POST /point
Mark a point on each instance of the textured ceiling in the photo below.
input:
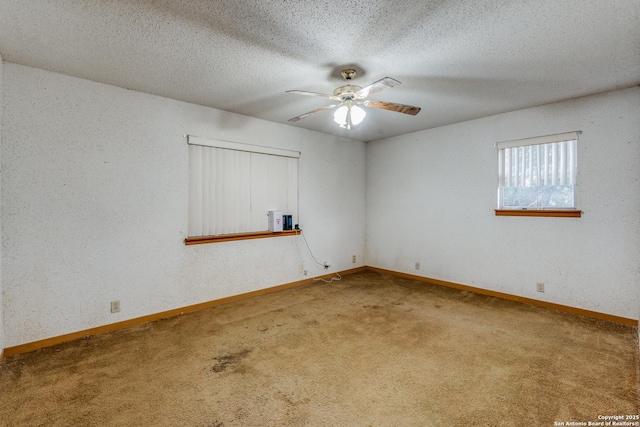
(457, 59)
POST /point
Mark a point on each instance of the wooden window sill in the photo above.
(239, 236)
(561, 213)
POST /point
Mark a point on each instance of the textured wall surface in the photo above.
(94, 206)
(431, 197)
(94, 196)
(2, 333)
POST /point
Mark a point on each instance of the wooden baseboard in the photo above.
(48, 342)
(545, 304)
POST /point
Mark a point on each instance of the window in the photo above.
(233, 186)
(538, 173)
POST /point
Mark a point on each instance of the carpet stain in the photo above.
(216, 423)
(289, 400)
(229, 360)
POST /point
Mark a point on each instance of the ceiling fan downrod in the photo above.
(348, 74)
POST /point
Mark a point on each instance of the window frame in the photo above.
(570, 162)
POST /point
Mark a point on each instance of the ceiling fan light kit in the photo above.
(348, 115)
(350, 96)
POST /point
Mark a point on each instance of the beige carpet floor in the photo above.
(370, 350)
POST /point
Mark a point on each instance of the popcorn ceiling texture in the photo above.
(457, 59)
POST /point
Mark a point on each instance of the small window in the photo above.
(538, 173)
(233, 186)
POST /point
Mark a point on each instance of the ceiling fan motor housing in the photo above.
(347, 92)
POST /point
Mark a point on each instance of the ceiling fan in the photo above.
(350, 96)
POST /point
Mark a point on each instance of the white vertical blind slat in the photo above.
(530, 166)
(514, 167)
(195, 190)
(259, 196)
(523, 169)
(210, 181)
(243, 189)
(563, 162)
(545, 164)
(504, 168)
(554, 164)
(292, 189)
(218, 203)
(572, 148)
(538, 165)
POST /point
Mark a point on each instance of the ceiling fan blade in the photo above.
(304, 92)
(391, 106)
(305, 115)
(376, 87)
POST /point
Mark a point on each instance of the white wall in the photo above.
(2, 335)
(93, 206)
(94, 198)
(431, 197)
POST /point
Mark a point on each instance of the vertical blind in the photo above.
(539, 165)
(232, 186)
(542, 163)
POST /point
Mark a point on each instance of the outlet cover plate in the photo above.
(115, 306)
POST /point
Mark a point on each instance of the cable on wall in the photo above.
(316, 279)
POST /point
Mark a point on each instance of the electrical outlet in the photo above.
(305, 272)
(540, 287)
(353, 259)
(115, 306)
(417, 266)
(326, 265)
